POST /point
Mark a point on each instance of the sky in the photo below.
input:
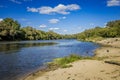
(61, 16)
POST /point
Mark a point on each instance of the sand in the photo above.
(90, 69)
(112, 50)
(84, 70)
(114, 42)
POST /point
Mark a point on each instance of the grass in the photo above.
(100, 58)
(92, 39)
(64, 62)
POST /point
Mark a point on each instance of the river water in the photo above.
(22, 57)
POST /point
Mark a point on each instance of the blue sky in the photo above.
(62, 16)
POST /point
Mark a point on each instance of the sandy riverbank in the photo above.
(96, 69)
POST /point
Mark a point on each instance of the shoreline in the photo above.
(103, 56)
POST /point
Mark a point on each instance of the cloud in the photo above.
(60, 9)
(19, 2)
(23, 19)
(42, 26)
(80, 27)
(32, 9)
(1, 19)
(53, 21)
(65, 30)
(113, 3)
(64, 17)
(16, 1)
(92, 24)
(29, 23)
(54, 28)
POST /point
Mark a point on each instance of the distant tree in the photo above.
(8, 29)
(115, 23)
(112, 29)
(11, 30)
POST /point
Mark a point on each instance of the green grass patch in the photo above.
(100, 58)
(64, 62)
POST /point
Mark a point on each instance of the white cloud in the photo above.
(92, 24)
(80, 27)
(42, 26)
(29, 23)
(54, 28)
(1, 19)
(60, 9)
(105, 23)
(16, 1)
(53, 21)
(64, 17)
(113, 3)
(32, 9)
(19, 1)
(23, 19)
(65, 30)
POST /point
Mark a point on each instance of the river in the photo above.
(22, 57)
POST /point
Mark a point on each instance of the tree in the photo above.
(8, 29)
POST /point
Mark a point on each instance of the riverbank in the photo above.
(104, 66)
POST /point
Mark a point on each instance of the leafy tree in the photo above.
(11, 30)
(8, 29)
(111, 30)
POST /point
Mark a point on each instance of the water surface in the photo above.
(19, 58)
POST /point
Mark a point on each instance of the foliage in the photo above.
(111, 30)
(11, 30)
(64, 62)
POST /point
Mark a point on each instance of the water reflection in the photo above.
(15, 47)
(19, 58)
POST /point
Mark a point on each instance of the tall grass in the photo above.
(64, 62)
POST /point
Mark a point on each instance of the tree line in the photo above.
(111, 30)
(11, 30)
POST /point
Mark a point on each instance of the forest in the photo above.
(111, 30)
(11, 30)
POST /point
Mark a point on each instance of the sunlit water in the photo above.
(19, 58)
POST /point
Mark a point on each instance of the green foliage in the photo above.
(33, 34)
(111, 30)
(10, 30)
(52, 35)
(112, 24)
(67, 59)
(9, 23)
(71, 36)
(64, 62)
